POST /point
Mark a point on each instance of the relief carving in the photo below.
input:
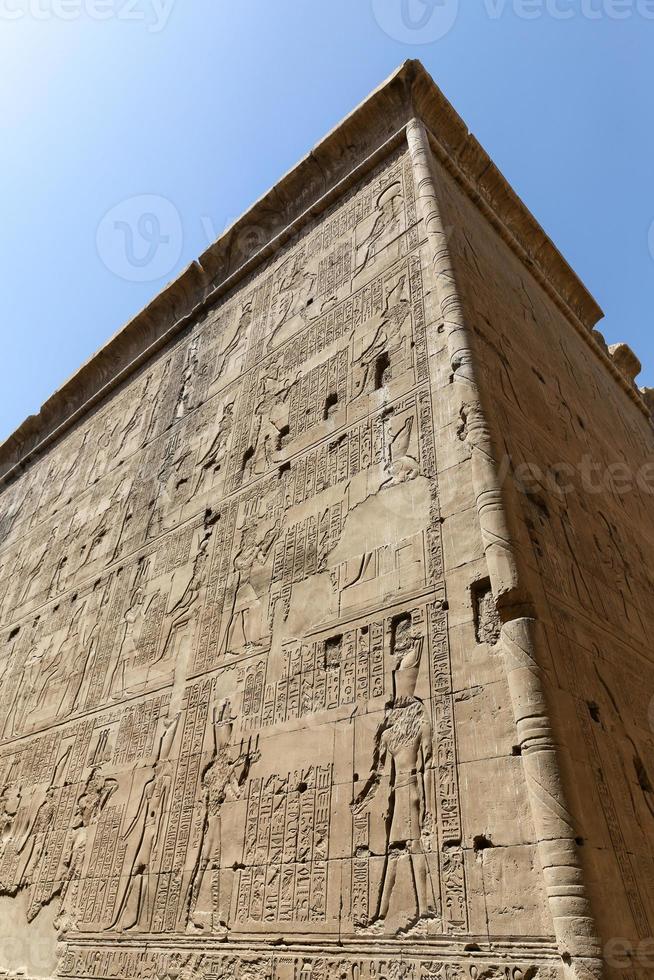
(229, 735)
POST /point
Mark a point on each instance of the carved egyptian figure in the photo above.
(222, 780)
(295, 288)
(134, 620)
(182, 616)
(170, 479)
(105, 522)
(134, 910)
(10, 799)
(271, 415)
(184, 398)
(400, 465)
(32, 685)
(211, 461)
(31, 574)
(235, 345)
(403, 763)
(62, 683)
(94, 798)
(386, 223)
(34, 821)
(374, 364)
(250, 586)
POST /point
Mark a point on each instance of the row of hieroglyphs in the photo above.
(110, 963)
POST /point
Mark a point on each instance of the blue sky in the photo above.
(187, 110)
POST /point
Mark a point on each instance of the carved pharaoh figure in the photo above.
(32, 683)
(222, 780)
(170, 479)
(182, 618)
(243, 631)
(10, 798)
(236, 344)
(295, 288)
(385, 224)
(95, 795)
(134, 620)
(59, 695)
(31, 572)
(143, 836)
(401, 466)
(32, 824)
(270, 416)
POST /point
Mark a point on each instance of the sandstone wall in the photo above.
(251, 689)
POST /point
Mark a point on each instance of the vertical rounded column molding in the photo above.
(569, 906)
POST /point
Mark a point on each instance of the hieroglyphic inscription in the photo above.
(342, 670)
(286, 848)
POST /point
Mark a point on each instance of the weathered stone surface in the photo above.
(320, 657)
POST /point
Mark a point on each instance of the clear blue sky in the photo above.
(206, 103)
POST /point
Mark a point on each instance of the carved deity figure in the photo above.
(296, 284)
(403, 765)
(211, 461)
(236, 344)
(251, 557)
(270, 415)
(184, 402)
(104, 523)
(144, 837)
(386, 343)
(32, 683)
(170, 479)
(222, 781)
(30, 574)
(134, 621)
(10, 798)
(64, 676)
(31, 825)
(386, 223)
(182, 618)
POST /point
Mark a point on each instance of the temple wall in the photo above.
(250, 680)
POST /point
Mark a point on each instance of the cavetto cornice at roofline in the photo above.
(339, 160)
